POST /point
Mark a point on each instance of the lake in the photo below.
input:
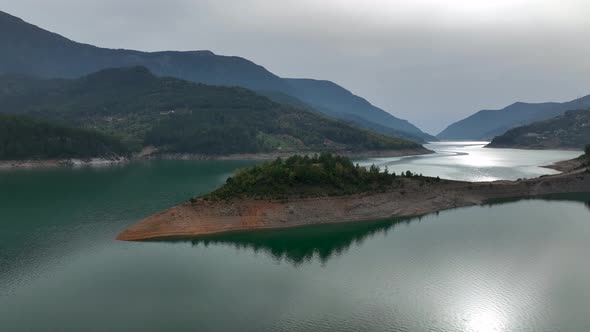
(509, 266)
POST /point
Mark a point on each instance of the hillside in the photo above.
(334, 100)
(30, 50)
(568, 131)
(178, 116)
(26, 138)
(487, 124)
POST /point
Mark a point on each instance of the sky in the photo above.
(431, 62)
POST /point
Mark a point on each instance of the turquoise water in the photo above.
(512, 266)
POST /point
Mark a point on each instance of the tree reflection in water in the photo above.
(300, 245)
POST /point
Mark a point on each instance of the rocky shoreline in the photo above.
(534, 147)
(569, 165)
(201, 217)
(154, 155)
(56, 163)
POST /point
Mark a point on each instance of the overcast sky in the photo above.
(429, 61)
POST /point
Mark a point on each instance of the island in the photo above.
(322, 189)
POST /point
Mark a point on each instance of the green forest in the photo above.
(309, 176)
(26, 138)
(140, 109)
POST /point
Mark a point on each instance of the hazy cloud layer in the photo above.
(429, 61)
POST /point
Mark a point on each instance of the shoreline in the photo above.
(535, 148)
(274, 155)
(194, 219)
(565, 166)
(101, 162)
(61, 163)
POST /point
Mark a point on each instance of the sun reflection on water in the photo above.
(485, 321)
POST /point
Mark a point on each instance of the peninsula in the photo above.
(330, 189)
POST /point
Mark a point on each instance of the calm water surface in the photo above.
(471, 162)
(512, 266)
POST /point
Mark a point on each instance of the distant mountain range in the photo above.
(177, 116)
(570, 131)
(27, 49)
(486, 124)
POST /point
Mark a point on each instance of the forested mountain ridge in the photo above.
(487, 124)
(571, 130)
(142, 109)
(26, 138)
(30, 50)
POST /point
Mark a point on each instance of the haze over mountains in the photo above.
(37, 52)
(30, 50)
(486, 124)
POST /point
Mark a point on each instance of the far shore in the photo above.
(274, 155)
(56, 163)
(535, 148)
(201, 217)
(96, 162)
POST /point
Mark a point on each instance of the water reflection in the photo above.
(470, 161)
(323, 242)
(303, 244)
(571, 197)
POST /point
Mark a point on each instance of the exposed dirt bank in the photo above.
(205, 217)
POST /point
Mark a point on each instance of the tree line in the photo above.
(309, 176)
(25, 138)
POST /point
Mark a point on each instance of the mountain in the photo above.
(26, 138)
(142, 109)
(347, 112)
(334, 100)
(487, 124)
(570, 131)
(30, 50)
